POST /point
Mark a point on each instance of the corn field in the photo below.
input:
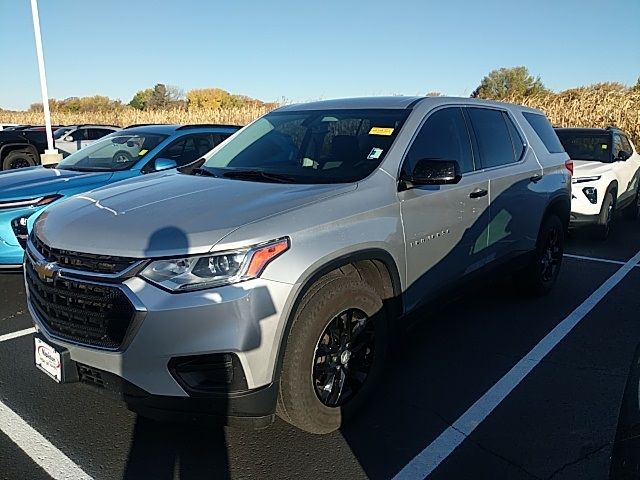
(581, 107)
(128, 116)
(591, 107)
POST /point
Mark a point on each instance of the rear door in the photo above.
(514, 171)
(445, 226)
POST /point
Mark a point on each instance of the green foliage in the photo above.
(508, 83)
(159, 97)
(217, 98)
(141, 99)
(95, 103)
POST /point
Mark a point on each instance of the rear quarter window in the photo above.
(545, 131)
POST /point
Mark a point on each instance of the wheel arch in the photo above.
(11, 147)
(374, 266)
(560, 206)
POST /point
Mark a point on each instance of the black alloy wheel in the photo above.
(551, 257)
(343, 357)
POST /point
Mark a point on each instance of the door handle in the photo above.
(478, 192)
(536, 178)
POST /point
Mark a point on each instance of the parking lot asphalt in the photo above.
(564, 420)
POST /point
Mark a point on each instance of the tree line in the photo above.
(500, 84)
(159, 97)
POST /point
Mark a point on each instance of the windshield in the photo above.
(586, 146)
(118, 151)
(57, 135)
(328, 146)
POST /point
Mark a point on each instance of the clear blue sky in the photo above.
(304, 50)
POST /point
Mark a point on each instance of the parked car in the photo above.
(70, 139)
(131, 152)
(271, 278)
(607, 168)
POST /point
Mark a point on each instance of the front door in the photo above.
(445, 226)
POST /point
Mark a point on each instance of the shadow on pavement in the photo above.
(164, 451)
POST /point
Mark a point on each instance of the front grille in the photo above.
(80, 312)
(86, 262)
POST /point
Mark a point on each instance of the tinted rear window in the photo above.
(545, 131)
(492, 134)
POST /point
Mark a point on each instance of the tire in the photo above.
(539, 277)
(632, 212)
(18, 159)
(607, 214)
(308, 398)
(122, 157)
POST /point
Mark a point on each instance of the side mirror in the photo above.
(622, 156)
(164, 164)
(68, 138)
(428, 171)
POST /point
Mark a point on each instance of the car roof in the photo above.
(396, 102)
(583, 130)
(172, 129)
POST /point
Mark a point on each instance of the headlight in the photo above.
(206, 271)
(585, 179)
(31, 202)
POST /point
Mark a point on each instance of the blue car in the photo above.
(131, 152)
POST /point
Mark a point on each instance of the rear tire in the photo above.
(607, 214)
(539, 277)
(18, 159)
(632, 212)
(334, 354)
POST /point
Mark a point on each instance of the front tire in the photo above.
(18, 159)
(334, 355)
(607, 214)
(541, 274)
(632, 212)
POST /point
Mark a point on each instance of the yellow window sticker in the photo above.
(142, 152)
(386, 131)
(604, 146)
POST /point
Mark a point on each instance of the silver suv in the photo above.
(270, 278)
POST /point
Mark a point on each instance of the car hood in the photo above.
(33, 182)
(584, 168)
(168, 215)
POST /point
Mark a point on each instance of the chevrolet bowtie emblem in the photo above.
(46, 270)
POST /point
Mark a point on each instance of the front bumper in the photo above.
(245, 319)
(583, 211)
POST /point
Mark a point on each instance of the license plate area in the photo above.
(54, 361)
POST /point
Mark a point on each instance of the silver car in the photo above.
(270, 278)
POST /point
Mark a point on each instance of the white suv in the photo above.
(72, 138)
(607, 167)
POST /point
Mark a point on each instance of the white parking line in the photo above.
(594, 259)
(20, 333)
(41, 451)
(443, 446)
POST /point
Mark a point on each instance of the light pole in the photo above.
(51, 155)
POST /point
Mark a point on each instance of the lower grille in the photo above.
(19, 227)
(80, 312)
(90, 375)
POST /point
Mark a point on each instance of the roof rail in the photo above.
(207, 125)
(80, 125)
(612, 127)
(133, 125)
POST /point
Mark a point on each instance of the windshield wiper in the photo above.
(260, 176)
(204, 172)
